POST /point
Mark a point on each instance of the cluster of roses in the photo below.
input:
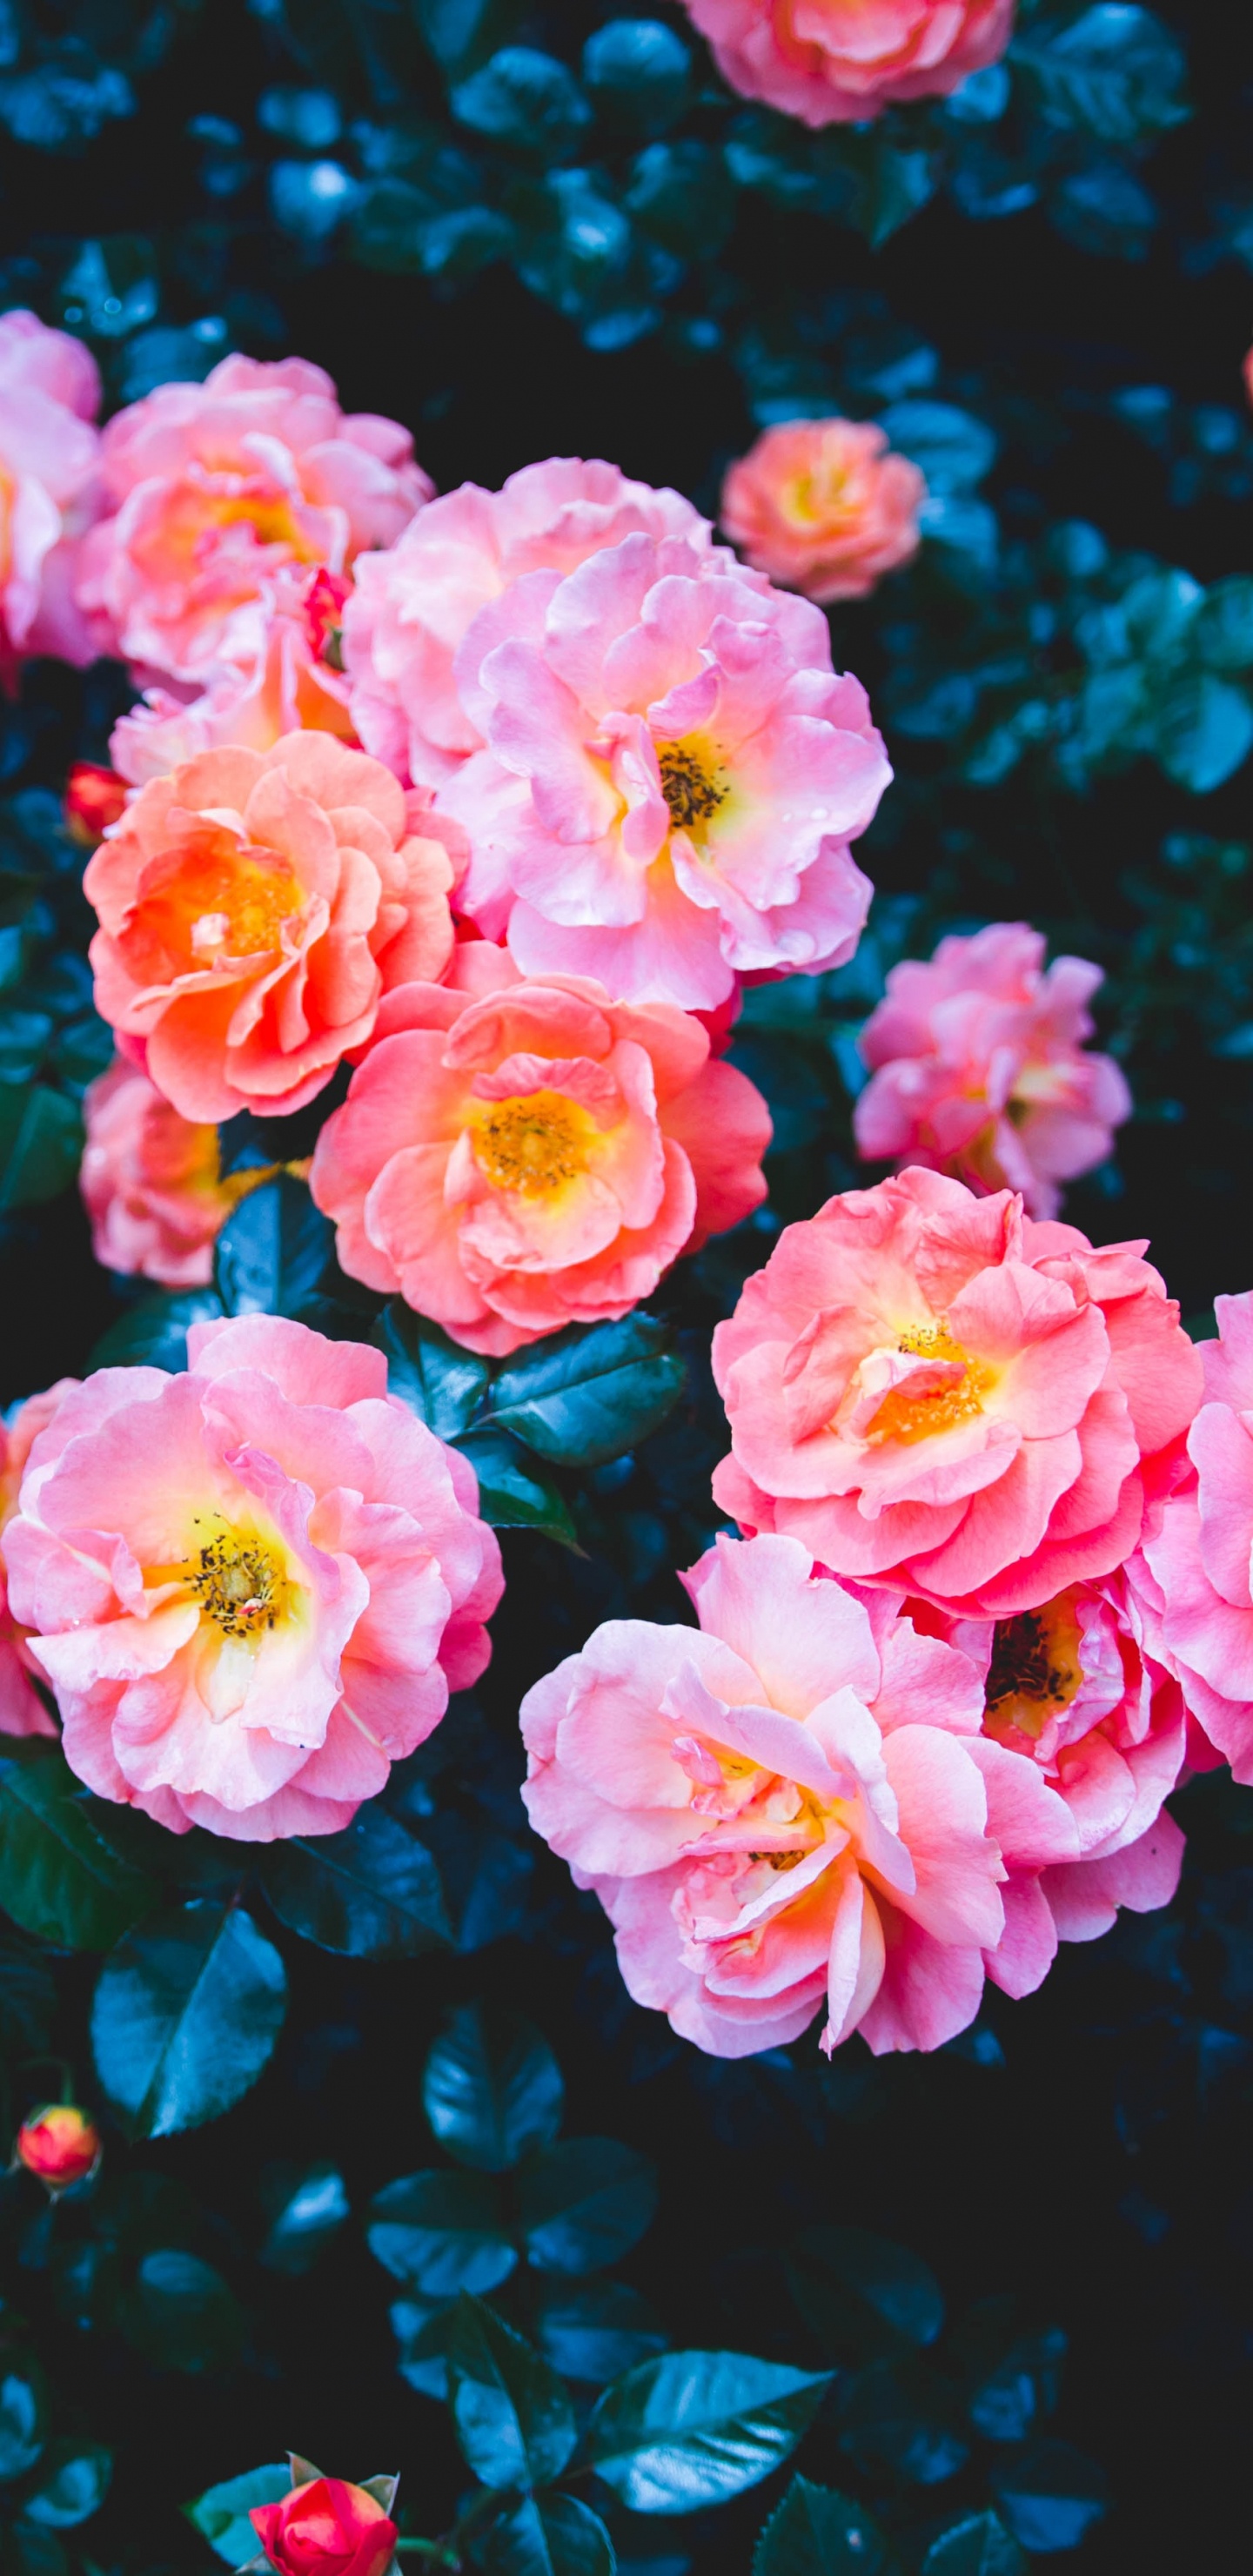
(500, 798)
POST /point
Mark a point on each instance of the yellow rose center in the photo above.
(236, 908)
(693, 783)
(273, 523)
(908, 1417)
(239, 1581)
(1035, 1669)
(533, 1145)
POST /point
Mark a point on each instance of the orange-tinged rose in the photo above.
(59, 2144)
(824, 506)
(326, 2528)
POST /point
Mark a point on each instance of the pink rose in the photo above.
(326, 2528)
(838, 62)
(782, 1808)
(22, 1711)
(672, 776)
(978, 1068)
(1193, 1575)
(151, 1182)
(49, 449)
(60, 2145)
(289, 688)
(824, 507)
(412, 606)
(936, 1393)
(254, 908)
(212, 489)
(251, 1585)
(517, 1155)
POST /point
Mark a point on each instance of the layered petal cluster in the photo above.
(824, 506)
(254, 907)
(838, 62)
(781, 1809)
(935, 1392)
(978, 1068)
(289, 687)
(671, 779)
(251, 1585)
(49, 453)
(516, 1153)
(212, 489)
(326, 2527)
(22, 1711)
(1193, 1574)
(413, 605)
(151, 1182)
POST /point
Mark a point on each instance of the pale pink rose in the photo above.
(22, 1711)
(672, 777)
(1193, 1573)
(824, 506)
(290, 688)
(839, 62)
(783, 1808)
(151, 1182)
(254, 908)
(978, 1068)
(936, 1393)
(212, 489)
(412, 607)
(517, 1155)
(49, 451)
(251, 1585)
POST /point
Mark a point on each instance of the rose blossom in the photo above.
(1193, 1575)
(517, 1155)
(412, 606)
(49, 397)
(838, 62)
(289, 688)
(94, 798)
(254, 906)
(213, 488)
(786, 1806)
(978, 1068)
(937, 1393)
(672, 776)
(326, 2528)
(60, 2145)
(252, 1584)
(824, 507)
(22, 1711)
(151, 1182)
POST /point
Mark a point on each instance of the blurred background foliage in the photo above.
(525, 230)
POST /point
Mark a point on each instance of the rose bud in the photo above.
(94, 798)
(326, 2528)
(60, 2145)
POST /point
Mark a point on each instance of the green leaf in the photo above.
(59, 1878)
(585, 2202)
(154, 1333)
(185, 2018)
(902, 2417)
(586, 1396)
(443, 1384)
(442, 2232)
(1049, 2494)
(1204, 731)
(492, 2089)
(73, 2484)
(1115, 72)
(221, 2513)
(308, 2208)
(979, 2545)
(696, 2427)
(41, 1139)
(597, 2331)
(35, 2552)
(514, 2421)
(22, 2415)
(550, 2535)
(815, 2531)
(273, 1251)
(953, 448)
(513, 1495)
(369, 1892)
(180, 2314)
(1222, 630)
(863, 2295)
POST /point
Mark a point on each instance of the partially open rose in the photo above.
(326, 2528)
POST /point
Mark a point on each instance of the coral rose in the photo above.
(22, 1711)
(254, 906)
(838, 62)
(1194, 1573)
(151, 1182)
(326, 2528)
(252, 1584)
(824, 507)
(49, 448)
(515, 1155)
(412, 606)
(935, 1392)
(672, 776)
(211, 489)
(60, 2145)
(782, 1808)
(978, 1068)
(290, 688)
(94, 798)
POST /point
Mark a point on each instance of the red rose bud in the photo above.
(94, 798)
(59, 2144)
(326, 2528)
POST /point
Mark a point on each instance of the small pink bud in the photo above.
(60, 2145)
(94, 798)
(326, 2528)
